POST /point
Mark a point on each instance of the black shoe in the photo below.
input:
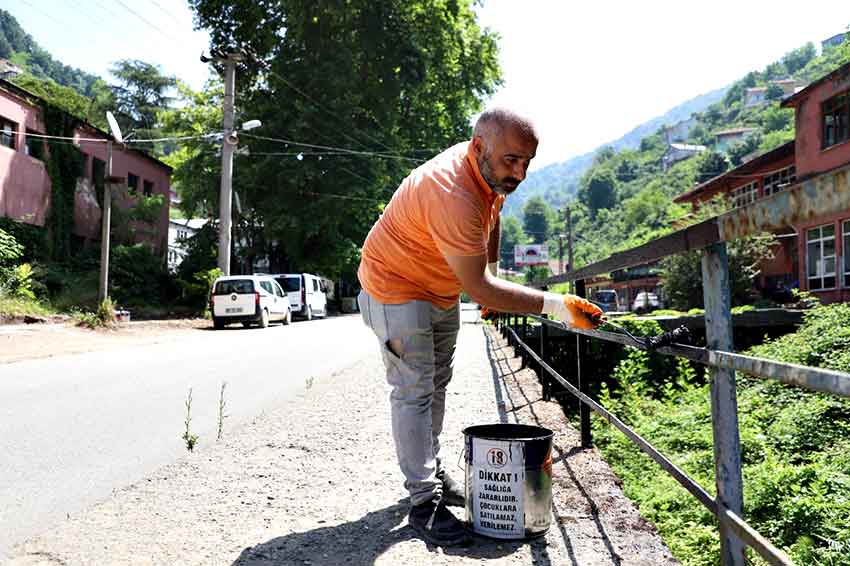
(453, 493)
(436, 524)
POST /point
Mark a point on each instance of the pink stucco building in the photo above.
(25, 187)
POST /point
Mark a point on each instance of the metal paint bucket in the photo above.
(508, 480)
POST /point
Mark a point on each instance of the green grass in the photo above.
(14, 307)
(795, 447)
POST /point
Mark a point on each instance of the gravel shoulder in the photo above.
(315, 482)
(32, 341)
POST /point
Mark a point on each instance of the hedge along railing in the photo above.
(826, 194)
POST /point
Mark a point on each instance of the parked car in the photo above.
(645, 302)
(249, 299)
(607, 300)
(306, 294)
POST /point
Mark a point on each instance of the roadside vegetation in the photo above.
(795, 445)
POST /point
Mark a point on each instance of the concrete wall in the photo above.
(25, 188)
(811, 158)
(24, 185)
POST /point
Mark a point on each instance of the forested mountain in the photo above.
(558, 183)
(17, 46)
(625, 198)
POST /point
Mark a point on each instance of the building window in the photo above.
(846, 250)
(836, 120)
(132, 183)
(743, 196)
(820, 257)
(34, 147)
(8, 131)
(780, 180)
(148, 188)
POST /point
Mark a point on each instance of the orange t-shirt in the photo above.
(444, 207)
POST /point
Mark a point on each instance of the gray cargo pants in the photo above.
(417, 341)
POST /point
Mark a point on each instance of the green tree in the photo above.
(196, 161)
(799, 58)
(92, 110)
(683, 272)
(711, 165)
(537, 220)
(774, 92)
(598, 190)
(140, 93)
(394, 79)
(512, 235)
(738, 150)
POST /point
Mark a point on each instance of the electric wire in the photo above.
(166, 12)
(42, 12)
(331, 148)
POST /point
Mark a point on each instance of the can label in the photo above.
(498, 483)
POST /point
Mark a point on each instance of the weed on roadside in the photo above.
(221, 407)
(189, 438)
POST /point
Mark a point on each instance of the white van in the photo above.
(306, 293)
(249, 299)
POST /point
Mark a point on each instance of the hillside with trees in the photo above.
(625, 196)
(557, 183)
(19, 47)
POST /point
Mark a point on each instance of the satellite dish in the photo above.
(113, 127)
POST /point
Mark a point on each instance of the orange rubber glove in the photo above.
(573, 310)
(487, 314)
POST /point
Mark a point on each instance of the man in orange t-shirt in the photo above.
(439, 234)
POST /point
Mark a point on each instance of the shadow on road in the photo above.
(362, 542)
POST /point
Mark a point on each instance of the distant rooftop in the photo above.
(734, 131)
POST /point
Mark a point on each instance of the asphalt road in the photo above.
(75, 427)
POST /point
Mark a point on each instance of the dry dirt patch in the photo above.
(30, 341)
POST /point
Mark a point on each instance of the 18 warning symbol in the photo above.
(496, 457)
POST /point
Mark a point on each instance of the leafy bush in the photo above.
(138, 276)
(683, 272)
(104, 316)
(795, 447)
(10, 249)
(32, 238)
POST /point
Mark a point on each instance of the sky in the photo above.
(586, 72)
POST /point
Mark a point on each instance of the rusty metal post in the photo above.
(583, 377)
(724, 401)
(545, 378)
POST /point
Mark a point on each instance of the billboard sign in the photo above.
(531, 254)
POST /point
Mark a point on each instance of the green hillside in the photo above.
(625, 198)
(557, 183)
(19, 47)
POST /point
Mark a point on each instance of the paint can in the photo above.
(508, 480)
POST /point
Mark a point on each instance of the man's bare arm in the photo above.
(500, 295)
(490, 291)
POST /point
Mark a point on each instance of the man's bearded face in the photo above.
(502, 185)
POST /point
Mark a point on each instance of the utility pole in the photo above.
(570, 265)
(560, 254)
(227, 149)
(105, 222)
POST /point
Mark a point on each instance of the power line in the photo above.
(145, 20)
(339, 149)
(339, 196)
(320, 106)
(44, 13)
(166, 12)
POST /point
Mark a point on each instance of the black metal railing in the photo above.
(810, 199)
